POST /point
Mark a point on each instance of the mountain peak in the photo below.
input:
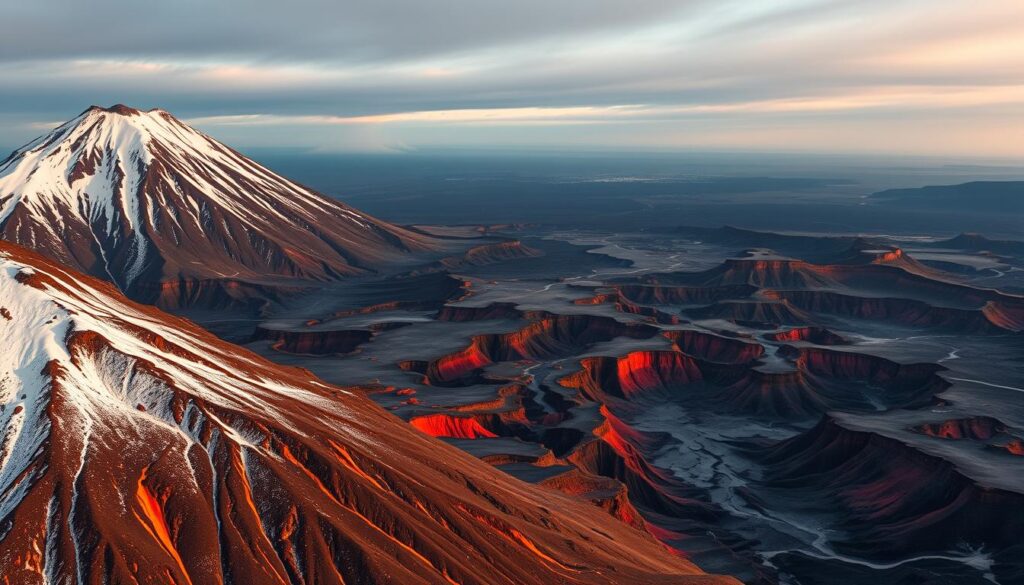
(120, 109)
(155, 206)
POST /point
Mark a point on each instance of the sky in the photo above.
(907, 77)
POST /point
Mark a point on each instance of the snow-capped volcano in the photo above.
(137, 448)
(147, 202)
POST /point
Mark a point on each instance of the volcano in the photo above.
(167, 213)
(137, 448)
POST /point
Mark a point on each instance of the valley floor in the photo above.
(786, 409)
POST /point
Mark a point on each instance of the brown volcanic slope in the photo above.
(166, 212)
(137, 448)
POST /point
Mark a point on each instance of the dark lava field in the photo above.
(785, 408)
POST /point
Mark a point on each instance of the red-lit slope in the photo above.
(820, 381)
(816, 335)
(992, 431)
(610, 494)
(171, 215)
(548, 337)
(485, 254)
(978, 428)
(624, 305)
(137, 448)
(714, 348)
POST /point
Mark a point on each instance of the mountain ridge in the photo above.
(137, 447)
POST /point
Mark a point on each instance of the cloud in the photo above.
(309, 30)
(464, 116)
(882, 98)
(445, 71)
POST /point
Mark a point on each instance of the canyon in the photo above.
(819, 411)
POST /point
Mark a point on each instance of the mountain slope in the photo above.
(145, 201)
(137, 448)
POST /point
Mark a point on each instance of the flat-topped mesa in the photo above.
(139, 448)
(993, 317)
(853, 473)
(653, 293)
(624, 305)
(790, 273)
(166, 213)
(768, 273)
(815, 335)
(844, 365)
(500, 251)
(714, 348)
(864, 252)
(551, 336)
(481, 255)
(864, 271)
(462, 313)
(821, 380)
(765, 311)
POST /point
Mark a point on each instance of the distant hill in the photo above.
(977, 196)
(979, 243)
(808, 247)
